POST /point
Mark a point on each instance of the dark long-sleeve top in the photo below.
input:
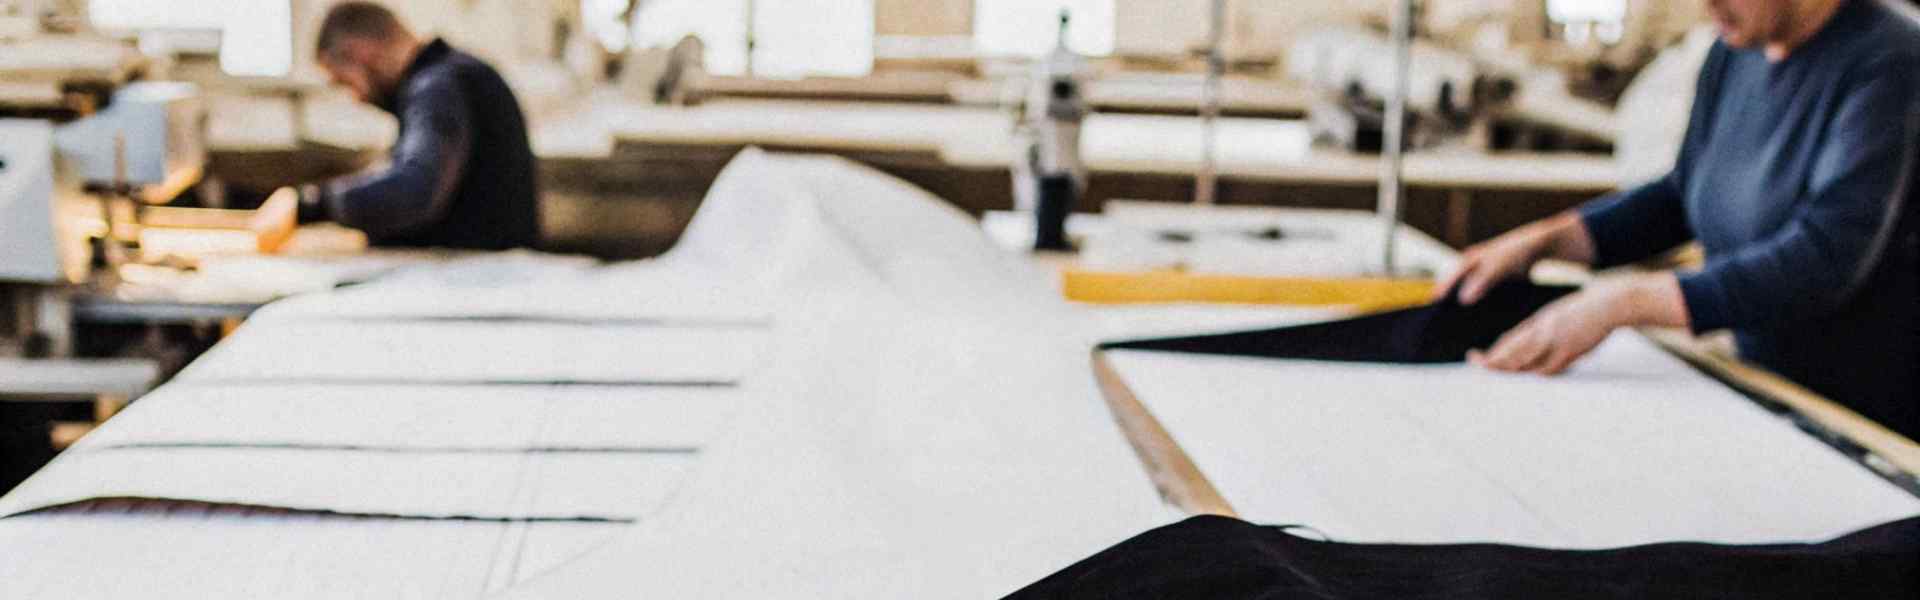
(462, 172)
(1798, 179)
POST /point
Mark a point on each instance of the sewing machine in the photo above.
(45, 219)
(1048, 175)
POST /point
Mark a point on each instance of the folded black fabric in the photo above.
(1436, 333)
(1217, 557)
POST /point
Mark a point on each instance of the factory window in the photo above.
(793, 38)
(256, 37)
(1583, 21)
(603, 22)
(1031, 27)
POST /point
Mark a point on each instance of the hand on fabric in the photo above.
(1551, 340)
(1512, 254)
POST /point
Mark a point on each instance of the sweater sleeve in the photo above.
(1642, 222)
(1638, 223)
(428, 162)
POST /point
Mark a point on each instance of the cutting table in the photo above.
(889, 412)
(500, 467)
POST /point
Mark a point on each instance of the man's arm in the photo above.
(1616, 229)
(1487, 264)
(1856, 196)
(429, 159)
(1642, 222)
(1815, 264)
(1636, 224)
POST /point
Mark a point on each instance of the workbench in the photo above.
(981, 138)
(1221, 441)
(666, 156)
(924, 425)
(1143, 93)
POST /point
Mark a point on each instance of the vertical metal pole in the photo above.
(52, 319)
(753, 38)
(115, 254)
(1393, 150)
(1206, 184)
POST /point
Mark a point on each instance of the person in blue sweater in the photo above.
(1797, 175)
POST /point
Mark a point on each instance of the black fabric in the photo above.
(24, 442)
(1217, 557)
(1050, 217)
(1436, 333)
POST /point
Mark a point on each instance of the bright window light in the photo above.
(256, 36)
(1032, 27)
(720, 24)
(795, 38)
(813, 37)
(1587, 11)
(602, 19)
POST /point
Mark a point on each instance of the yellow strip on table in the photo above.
(1368, 293)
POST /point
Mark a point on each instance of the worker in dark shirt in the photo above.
(462, 172)
(1797, 176)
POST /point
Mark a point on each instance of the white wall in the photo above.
(1031, 27)
(255, 35)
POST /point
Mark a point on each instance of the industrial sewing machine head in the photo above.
(45, 219)
(1048, 176)
(1536, 75)
(82, 146)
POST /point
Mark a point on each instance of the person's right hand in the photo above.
(273, 224)
(1488, 263)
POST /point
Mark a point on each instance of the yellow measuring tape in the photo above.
(1366, 293)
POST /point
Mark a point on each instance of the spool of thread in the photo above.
(1057, 193)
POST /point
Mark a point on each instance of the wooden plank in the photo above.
(67, 433)
(1259, 150)
(898, 87)
(106, 406)
(77, 377)
(1896, 450)
(66, 58)
(1179, 481)
(1459, 218)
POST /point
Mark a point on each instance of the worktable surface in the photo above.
(974, 137)
(919, 468)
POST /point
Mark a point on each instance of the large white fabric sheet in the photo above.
(156, 550)
(610, 486)
(423, 418)
(380, 351)
(936, 432)
(915, 407)
(1632, 446)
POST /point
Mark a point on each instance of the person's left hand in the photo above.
(1552, 339)
(1562, 332)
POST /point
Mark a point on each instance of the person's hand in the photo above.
(273, 224)
(1553, 339)
(1513, 254)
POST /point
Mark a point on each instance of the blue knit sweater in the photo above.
(1797, 177)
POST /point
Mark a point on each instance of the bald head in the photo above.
(365, 48)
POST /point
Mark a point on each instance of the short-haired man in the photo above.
(462, 172)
